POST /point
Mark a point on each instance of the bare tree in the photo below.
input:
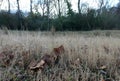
(1, 1)
(31, 2)
(18, 5)
(45, 6)
(42, 4)
(8, 6)
(48, 12)
(79, 10)
(59, 9)
(102, 3)
(19, 15)
(52, 8)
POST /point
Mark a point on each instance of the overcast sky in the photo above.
(24, 4)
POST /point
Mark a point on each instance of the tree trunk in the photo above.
(19, 16)
(18, 6)
(8, 6)
(79, 10)
(31, 6)
(59, 14)
(48, 13)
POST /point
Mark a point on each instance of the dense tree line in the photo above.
(59, 14)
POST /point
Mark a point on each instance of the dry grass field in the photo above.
(88, 56)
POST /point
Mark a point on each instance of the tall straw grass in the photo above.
(93, 52)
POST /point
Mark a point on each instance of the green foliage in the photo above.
(91, 20)
(5, 18)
